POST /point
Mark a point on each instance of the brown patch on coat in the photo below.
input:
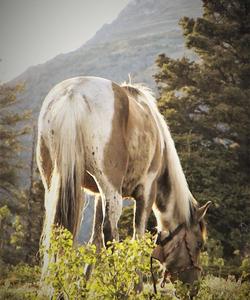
(115, 152)
(142, 143)
(134, 92)
(157, 159)
(164, 188)
(46, 162)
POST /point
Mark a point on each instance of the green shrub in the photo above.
(245, 268)
(19, 282)
(66, 275)
(116, 270)
(215, 288)
(116, 273)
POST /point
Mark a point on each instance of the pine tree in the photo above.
(10, 133)
(21, 208)
(11, 196)
(34, 213)
(207, 105)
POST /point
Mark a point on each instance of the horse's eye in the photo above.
(199, 244)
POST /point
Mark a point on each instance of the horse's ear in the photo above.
(201, 211)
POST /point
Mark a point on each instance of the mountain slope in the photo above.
(129, 45)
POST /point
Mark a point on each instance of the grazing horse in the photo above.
(112, 140)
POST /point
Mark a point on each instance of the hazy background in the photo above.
(34, 31)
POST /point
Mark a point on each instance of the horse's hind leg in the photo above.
(113, 211)
(112, 202)
(97, 232)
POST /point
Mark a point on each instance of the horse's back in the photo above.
(95, 94)
(97, 91)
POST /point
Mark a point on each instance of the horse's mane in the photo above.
(185, 202)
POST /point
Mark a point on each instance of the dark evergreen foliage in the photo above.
(21, 210)
(207, 105)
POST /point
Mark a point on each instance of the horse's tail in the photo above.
(64, 202)
(70, 159)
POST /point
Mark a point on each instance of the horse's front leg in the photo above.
(145, 197)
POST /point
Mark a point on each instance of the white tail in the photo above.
(63, 199)
(69, 150)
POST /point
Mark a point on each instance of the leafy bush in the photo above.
(117, 271)
(66, 275)
(19, 282)
(215, 288)
(245, 268)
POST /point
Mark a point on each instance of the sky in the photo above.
(34, 31)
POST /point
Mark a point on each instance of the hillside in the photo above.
(129, 45)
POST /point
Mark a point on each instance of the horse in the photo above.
(111, 140)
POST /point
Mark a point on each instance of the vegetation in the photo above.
(115, 274)
(18, 240)
(10, 148)
(207, 105)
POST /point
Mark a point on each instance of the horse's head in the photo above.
(179, 251)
